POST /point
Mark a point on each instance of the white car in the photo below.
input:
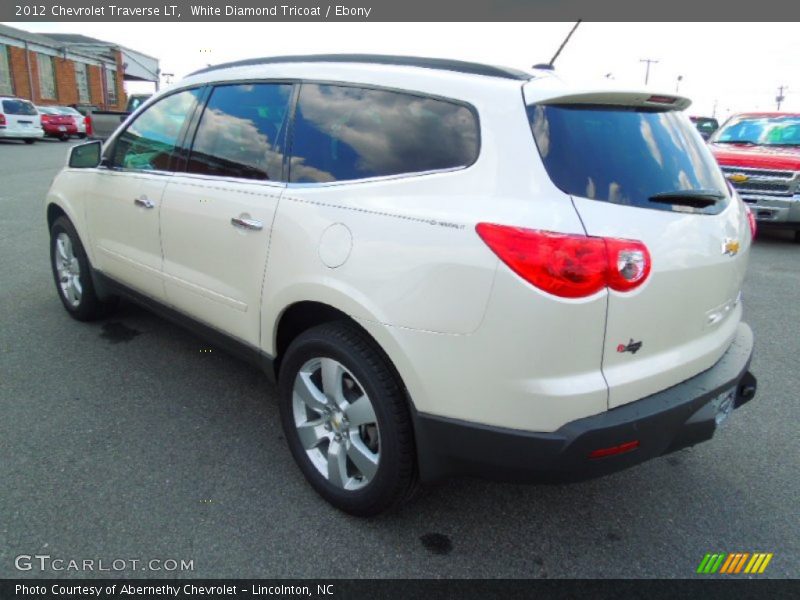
(19, 120)
(450, 268)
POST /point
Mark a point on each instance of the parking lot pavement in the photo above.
(128, 439)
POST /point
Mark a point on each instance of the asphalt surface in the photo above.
(128, 439)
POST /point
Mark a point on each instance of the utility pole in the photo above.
(780, 97)
(649, 61)
(714, 111)
(678, 83)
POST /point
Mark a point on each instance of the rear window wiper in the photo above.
(692, 198)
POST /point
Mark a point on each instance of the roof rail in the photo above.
(441, 64)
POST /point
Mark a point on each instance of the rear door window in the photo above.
(343, 133)
(240, 131)
(625, 155)
(18, 107)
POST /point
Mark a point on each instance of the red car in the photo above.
(760, 155)
(57, 125)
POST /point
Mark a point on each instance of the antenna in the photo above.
(564, 43)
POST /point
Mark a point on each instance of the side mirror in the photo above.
(85, 156)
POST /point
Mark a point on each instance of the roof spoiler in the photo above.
(605, 97)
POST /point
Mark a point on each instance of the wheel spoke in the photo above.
(68, 253)
(364, 460)
(360, 412)
(311, 433)
(337, 464)
(332, 373)
(62, 251)
(71, 295)
(307, 392)
(76, 285)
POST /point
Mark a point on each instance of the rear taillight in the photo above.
(87, 121)
(567, 265)
(2, 119)
(45, 118)
(751, 218)
(628, 264)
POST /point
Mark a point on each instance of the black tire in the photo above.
(29, 141)
(64, 138)
(82, 136)
(797, 237)
(395, 480)
(89, 307)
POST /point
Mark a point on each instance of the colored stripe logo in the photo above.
(737, 562)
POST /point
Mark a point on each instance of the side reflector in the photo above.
(614, 450)
(751, 218)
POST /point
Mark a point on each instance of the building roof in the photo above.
(47, 41)
(77, 38)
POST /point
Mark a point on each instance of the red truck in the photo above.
(760, 155)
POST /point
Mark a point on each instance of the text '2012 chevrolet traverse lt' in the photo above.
(448, 267)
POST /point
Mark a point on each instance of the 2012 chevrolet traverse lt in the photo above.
(449, 267)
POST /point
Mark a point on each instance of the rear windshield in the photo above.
(624, 155)
(18, 107)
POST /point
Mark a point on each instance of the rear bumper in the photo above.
(775, 212)
(21, 134)
(681, 416)
(54, 131)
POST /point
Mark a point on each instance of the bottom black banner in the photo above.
(118, 589)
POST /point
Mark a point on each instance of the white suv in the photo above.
(19, 120)
(448, 267)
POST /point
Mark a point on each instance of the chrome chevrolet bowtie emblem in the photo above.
(738, 177)
(730, 247)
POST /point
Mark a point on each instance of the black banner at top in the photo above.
(394, 10)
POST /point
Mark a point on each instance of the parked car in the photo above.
(80, 120)
(19, 120)
(760, 155)
(105, 122)
(56, 124)
(705, 125)
(448, 267)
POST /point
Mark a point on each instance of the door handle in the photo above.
(247, 223)
(144, 202)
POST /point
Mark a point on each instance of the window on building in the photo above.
(6, 87)
(346, 133)
(47, 76)
(82, 82)
(239, 133)
(111, 87)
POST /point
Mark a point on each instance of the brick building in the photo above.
(70, 69)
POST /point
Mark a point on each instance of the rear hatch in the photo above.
(636, 168)
(20, 114)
